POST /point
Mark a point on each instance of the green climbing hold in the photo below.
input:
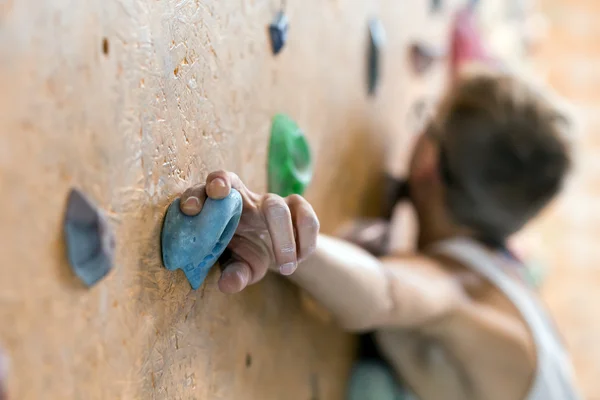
(289, 161)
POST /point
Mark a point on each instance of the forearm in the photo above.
(348, 281)
(365, 293)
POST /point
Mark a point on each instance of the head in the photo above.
(492, 157)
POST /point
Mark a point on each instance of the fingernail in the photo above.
(219, 182)
(233, 279)
(191, 204)
(287, 269)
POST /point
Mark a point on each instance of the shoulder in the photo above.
(475, 324)
(487, 332)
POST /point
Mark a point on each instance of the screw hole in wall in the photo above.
(105, 46)
(248, 360)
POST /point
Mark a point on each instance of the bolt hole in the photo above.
(248, 360)
(105, 46)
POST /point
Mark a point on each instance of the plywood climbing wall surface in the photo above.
(132, 101)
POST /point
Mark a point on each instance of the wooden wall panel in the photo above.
(133, 101)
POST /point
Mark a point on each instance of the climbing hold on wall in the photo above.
(278, 30)
(467, 45)
(373, 380)
(436, 5)
(90, 240)
(289, 160)
(395, 190)
(376, 42)
(423, 56)
(194, 244)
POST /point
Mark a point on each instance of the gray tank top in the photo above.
(554, 377)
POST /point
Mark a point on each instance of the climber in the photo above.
(453, 320)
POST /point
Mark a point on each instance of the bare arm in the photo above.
(364, 292)
(493, 349)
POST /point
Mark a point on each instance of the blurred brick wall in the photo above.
(567, 238)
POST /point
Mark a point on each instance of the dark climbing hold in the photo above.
(90, 240)
(423, 56)
(278, 30)
(395, 190)
(289, 160)
(376, 41)
(194, 244)
(373, 234)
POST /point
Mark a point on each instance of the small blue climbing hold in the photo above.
(194, 244)
(278, 30)
(436, 5)
(373, 380)
(376, 42)
(90, 240)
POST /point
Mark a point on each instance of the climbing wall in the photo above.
(132, 101)
(569, 59)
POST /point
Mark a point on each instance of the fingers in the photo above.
(306, 225)
(235, 277)
(252, 253)
(281, 230)
(192, 200)
(218, 184)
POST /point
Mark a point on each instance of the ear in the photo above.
(426, 166)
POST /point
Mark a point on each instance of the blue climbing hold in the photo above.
(90, 240)
(194, 244)
(375, 381)
(376, 43)
(278, 30)
(435, 5)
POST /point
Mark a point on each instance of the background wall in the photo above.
(134, 100)
(566, 238)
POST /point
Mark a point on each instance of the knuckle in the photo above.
(309, 221)
(233, 176)
(258, 271)
(273, 203)
(272, 198)
(295, 199)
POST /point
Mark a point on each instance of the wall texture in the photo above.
(134, 100)
(567, 237)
